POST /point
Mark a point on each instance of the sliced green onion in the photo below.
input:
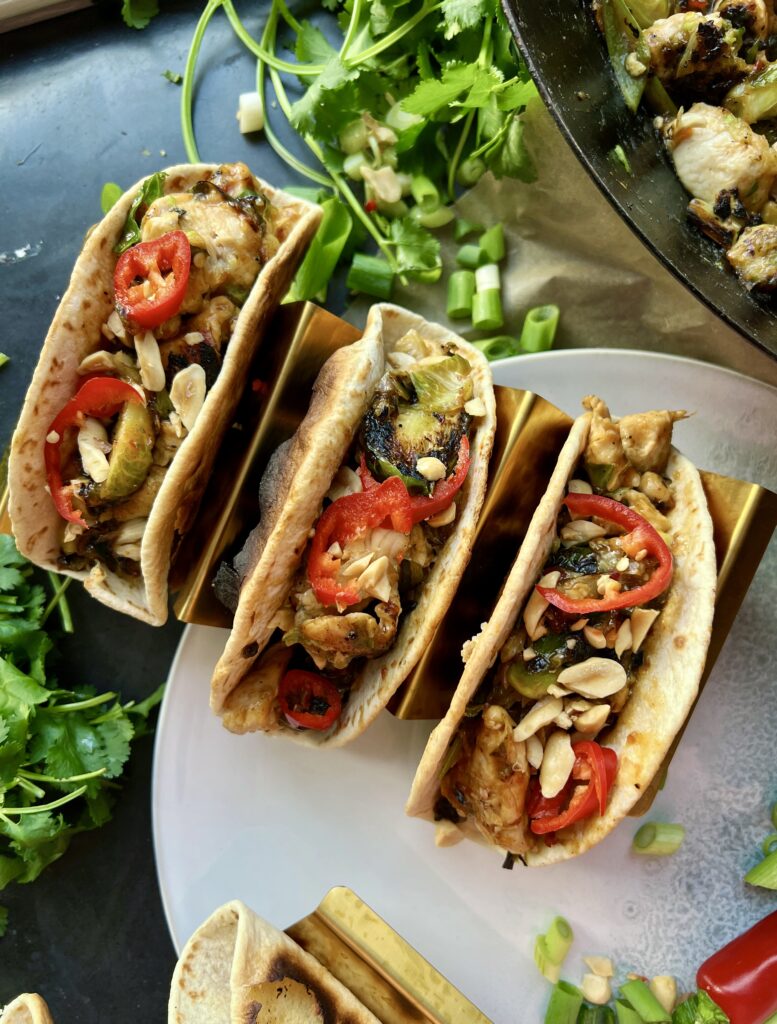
(595, 1015)
(371, 275)
(550, 969)
(469, 256)
(765, 873)
(644, 1002)
(539, 328)
(487, 278)
(250, 112)
(487, 310)
(353, 164)
(109, 196)
(434, 218)
(559, 938)
(564, 1005)
(425, 192)
(502, 346)
(618, 154)
(492, 243)
(470, 171)
(354, 137)
(626, 1015)
(658, 839)
(461, 288)
(462, 228)
(769, 845)
(3, 359)
(399, 120)
(395, 210)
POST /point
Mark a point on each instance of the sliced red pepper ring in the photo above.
(308, 700)
(742, 977)
(150, 279)
(100, 397)
(641, 537)
(343, 520)
(546, 815)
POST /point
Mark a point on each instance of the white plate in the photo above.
(277, 825)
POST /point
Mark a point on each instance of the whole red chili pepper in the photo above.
(742, 977)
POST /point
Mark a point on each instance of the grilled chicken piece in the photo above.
(715, 152)
(754, 257)
(605, 447)
(647, 438)
(337, 639)
(232, 242)
(252, 704)
(693, 48)
(490, 781)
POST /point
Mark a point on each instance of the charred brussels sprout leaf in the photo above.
(444, 386)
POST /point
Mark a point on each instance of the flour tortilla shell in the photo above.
(27, 1008)
(666, 684)
(74, 334)
(238, 968)
(291, 497)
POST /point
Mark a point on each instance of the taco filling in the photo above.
(387, 515)
(531, 757)
(186, 264)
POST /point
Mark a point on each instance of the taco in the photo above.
(576, 687)
(141, 372)
(27, 1008)
(237, 967)
(336, 606)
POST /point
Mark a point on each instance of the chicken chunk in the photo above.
(714, 151)
(489, 782)
(252, 705)
(336, 640)
(604, 456)
(754, 257)
(647, 438)
(693, 48)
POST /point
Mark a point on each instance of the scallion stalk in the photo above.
(765, 873)
(469, 256)
(539, 328)
(425, 193)
(658, 839)
(353, 165)
(461, 289)
(626, 1015)
(559, 938)
(463, 227)
(354, 137)
(564, 1005)
(550, 969)
(487, 310)
(492, 243)
(769, 845)
(371, 275)
(644, 1002)
(502, 346)
(595, 1015)
(434, 218)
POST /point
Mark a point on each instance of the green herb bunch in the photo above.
(430, 94)
(60, 748)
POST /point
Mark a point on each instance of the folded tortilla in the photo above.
(666, 684)
(238, 968)
(28, 1008)
(74, 334)
(291, 496)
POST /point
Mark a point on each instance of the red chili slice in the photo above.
(100, 397)
(162, 266)
(309, 700)
(742, 977)
(642, 536)
(546, 815)
(444, 491)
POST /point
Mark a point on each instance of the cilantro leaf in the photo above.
(511, 159)
(115, 736)
(433, 93)
(18, 686)
(312, 46)
(417, 249)
(516, 95)
(323, 91)
(10, 578)
(699, 1009)
(110, 195)
(459, 15)
(138, 13)
(172, 76)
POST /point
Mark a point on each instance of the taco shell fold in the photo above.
(291, 495)
(28, 1008)
(666, 684)
(75, 333)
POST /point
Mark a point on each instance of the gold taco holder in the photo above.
(530, 432)
(385, 973)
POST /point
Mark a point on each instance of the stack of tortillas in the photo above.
(238, 968)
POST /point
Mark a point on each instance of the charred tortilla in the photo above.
(75, 333)
(237, 967)
(291, 498)
(659, 699)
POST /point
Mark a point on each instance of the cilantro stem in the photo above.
(457, 154)
(28, 787)
(393, 37)
(37, 777)
(81, 705)
(37, 808)
(263, 54)
(59, 600)
(187, 89)
(288, 17)
(353, 28)
(492, 142)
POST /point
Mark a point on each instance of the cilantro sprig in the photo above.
(443, 75)
(60, 748)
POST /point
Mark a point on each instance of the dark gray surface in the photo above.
(568, 59)
(82, 102)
